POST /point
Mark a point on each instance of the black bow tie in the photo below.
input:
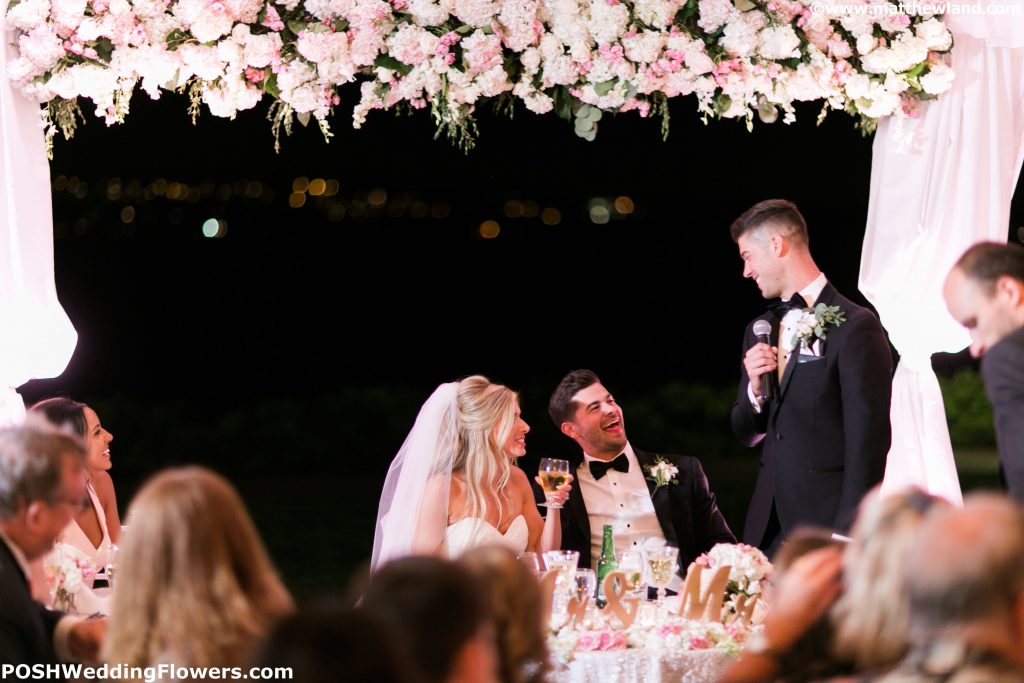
(599, 468)
(781, 308)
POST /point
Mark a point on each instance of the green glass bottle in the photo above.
(606, 563)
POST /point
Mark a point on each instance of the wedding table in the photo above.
(648, 666)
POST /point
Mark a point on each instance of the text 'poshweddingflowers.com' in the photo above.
(916, 7)
(149, 674)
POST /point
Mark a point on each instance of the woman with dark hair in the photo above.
(96, 527)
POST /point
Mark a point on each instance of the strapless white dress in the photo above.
(470, 532)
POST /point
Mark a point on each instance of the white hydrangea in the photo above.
(518, 19)
(644, 47)
(657, 14)
(778, 42)
(741, 33)
(28, 14)
(476, 13)
(427, 12)
(607, 22)
(935, 35)
(714, 13)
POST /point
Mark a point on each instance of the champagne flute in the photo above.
(111, 565)
(553, 473)
(661, 566)
(631, 563)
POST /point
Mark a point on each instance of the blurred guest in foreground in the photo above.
(966, 585)
(41, 489)
(806, 636)
(518, 610)
(441, 612)
(195, 586)
(327, 644)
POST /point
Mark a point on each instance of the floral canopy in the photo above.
(578, 58)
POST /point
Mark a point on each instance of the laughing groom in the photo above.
(824, 427)
(616, 484)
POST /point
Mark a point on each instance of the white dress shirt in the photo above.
(621, 499)
(810, 294)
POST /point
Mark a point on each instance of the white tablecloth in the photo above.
(642, 665)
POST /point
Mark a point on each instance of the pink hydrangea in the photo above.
(481, 51)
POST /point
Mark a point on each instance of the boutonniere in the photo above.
(662, 473)
(814, 323)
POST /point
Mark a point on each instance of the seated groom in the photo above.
(614, 483)
(42, 488)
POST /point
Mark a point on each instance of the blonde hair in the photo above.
(517, 609)
(872, 617)
(194, 584)
(486, 416)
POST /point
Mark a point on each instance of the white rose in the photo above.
(938, 79)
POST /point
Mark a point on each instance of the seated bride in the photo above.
(96, 528)
(454, 484)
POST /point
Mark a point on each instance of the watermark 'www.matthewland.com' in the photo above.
(913, 7)
(149, 674)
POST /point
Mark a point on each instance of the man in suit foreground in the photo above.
(42, 488)
(615, 485)
(825, 424)
(985, 293)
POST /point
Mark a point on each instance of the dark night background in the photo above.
(292, 353)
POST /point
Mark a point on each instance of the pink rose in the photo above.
(700, 643)
(588, 641)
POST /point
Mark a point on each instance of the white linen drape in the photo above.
(36, 337)
(939, 183)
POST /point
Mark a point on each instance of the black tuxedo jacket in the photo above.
(687, 512)
(1002, 368)
(827, 433)
(26, 627)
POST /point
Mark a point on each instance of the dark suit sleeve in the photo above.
(865, 376)
(1002, 367)
(748, 425)
(710, 526)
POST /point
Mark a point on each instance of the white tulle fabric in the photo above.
(37, 338)
(470, 532)
(940, 182)
(425, 457)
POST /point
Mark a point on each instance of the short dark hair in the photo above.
(320, 643)
(781, 212)
(436, 604)
(561, 407)
(63, 412)
(986, 262)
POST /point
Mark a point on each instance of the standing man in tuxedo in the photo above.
(615, 485)
(824, 425)
(985, 293)
(42, 488)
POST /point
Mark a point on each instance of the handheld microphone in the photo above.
(762, 330)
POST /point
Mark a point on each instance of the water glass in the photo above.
(586, 584)
(564, 561)
(531, 560)
(631, 563)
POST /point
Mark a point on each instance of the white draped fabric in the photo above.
(36, 337)
(939, 183)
